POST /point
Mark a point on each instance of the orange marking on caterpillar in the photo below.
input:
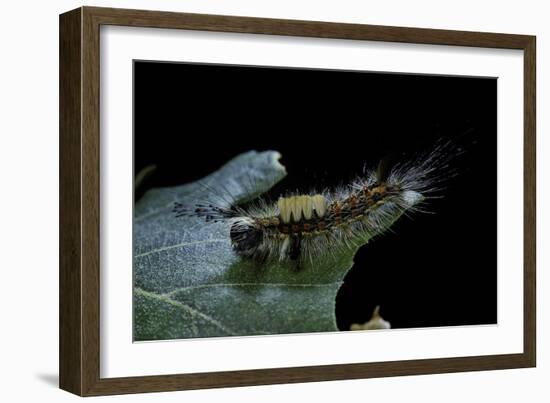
(337, 210)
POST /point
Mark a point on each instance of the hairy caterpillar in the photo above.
(303, 226)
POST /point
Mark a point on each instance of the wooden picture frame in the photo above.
(79, 201)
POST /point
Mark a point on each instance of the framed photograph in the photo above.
(249, 201)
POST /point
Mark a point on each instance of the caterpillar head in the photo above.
(246, 236)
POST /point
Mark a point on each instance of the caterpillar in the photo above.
(304, 225)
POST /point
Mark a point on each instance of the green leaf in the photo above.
(188, 282)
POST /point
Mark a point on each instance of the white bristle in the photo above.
(307, 207)
(294, 204)
(319, 204)
(284, 210)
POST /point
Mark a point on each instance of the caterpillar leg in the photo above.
(295, 251)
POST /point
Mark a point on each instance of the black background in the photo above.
(436, 269)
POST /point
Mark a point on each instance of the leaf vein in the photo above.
(192, 287)
(179, 245)
(192, 311)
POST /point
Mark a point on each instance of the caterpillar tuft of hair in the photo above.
(303, 226)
